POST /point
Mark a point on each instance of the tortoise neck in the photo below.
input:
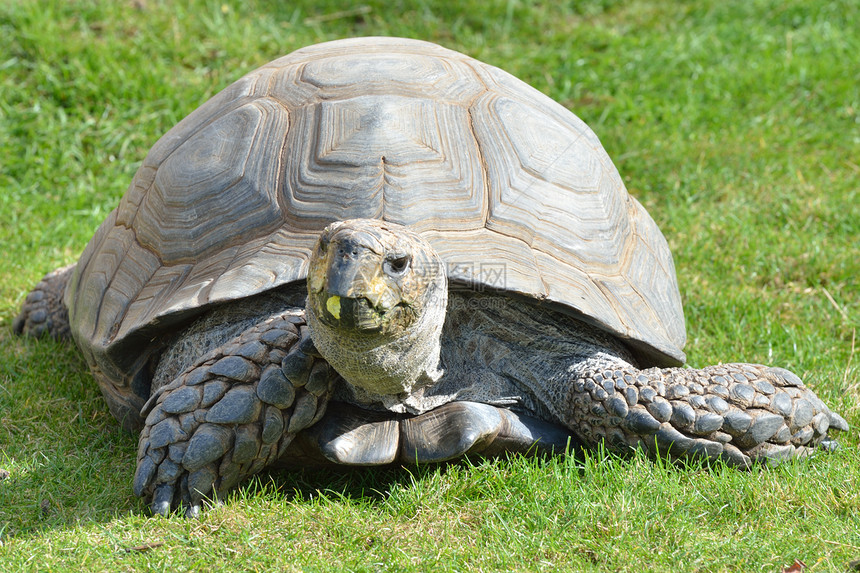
(385, 364)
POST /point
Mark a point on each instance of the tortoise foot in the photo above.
(230, 415)
(43, 312)
(739, 413)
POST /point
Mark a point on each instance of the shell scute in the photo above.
(548, 188)
(182, 219)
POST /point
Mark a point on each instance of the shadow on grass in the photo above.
(373, 484)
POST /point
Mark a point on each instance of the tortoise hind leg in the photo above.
(45, 314)
(230, 414)
(43, 311)
(740, 413)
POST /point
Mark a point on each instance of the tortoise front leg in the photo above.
(43, 311)
(740, 413)
(231, 414)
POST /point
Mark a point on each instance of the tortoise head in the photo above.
(376, 303)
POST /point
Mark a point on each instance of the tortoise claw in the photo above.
(193, 512)
(162, 499)
(837, 422)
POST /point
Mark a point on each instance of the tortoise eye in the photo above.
(396, 266)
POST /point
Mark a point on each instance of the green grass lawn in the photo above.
(736, 123)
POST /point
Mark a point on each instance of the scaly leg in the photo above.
(741, 413)
(43, 311)
(231, 414)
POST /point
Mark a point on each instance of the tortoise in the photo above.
(377, 251)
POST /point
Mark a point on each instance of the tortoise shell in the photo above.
(513, 190)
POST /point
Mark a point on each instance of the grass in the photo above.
(737, 124)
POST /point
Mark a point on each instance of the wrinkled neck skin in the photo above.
(377, 294)
(386, 368)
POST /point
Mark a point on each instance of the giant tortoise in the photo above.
(378, 251)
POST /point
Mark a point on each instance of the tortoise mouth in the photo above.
(350, 313)
(359, 315)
